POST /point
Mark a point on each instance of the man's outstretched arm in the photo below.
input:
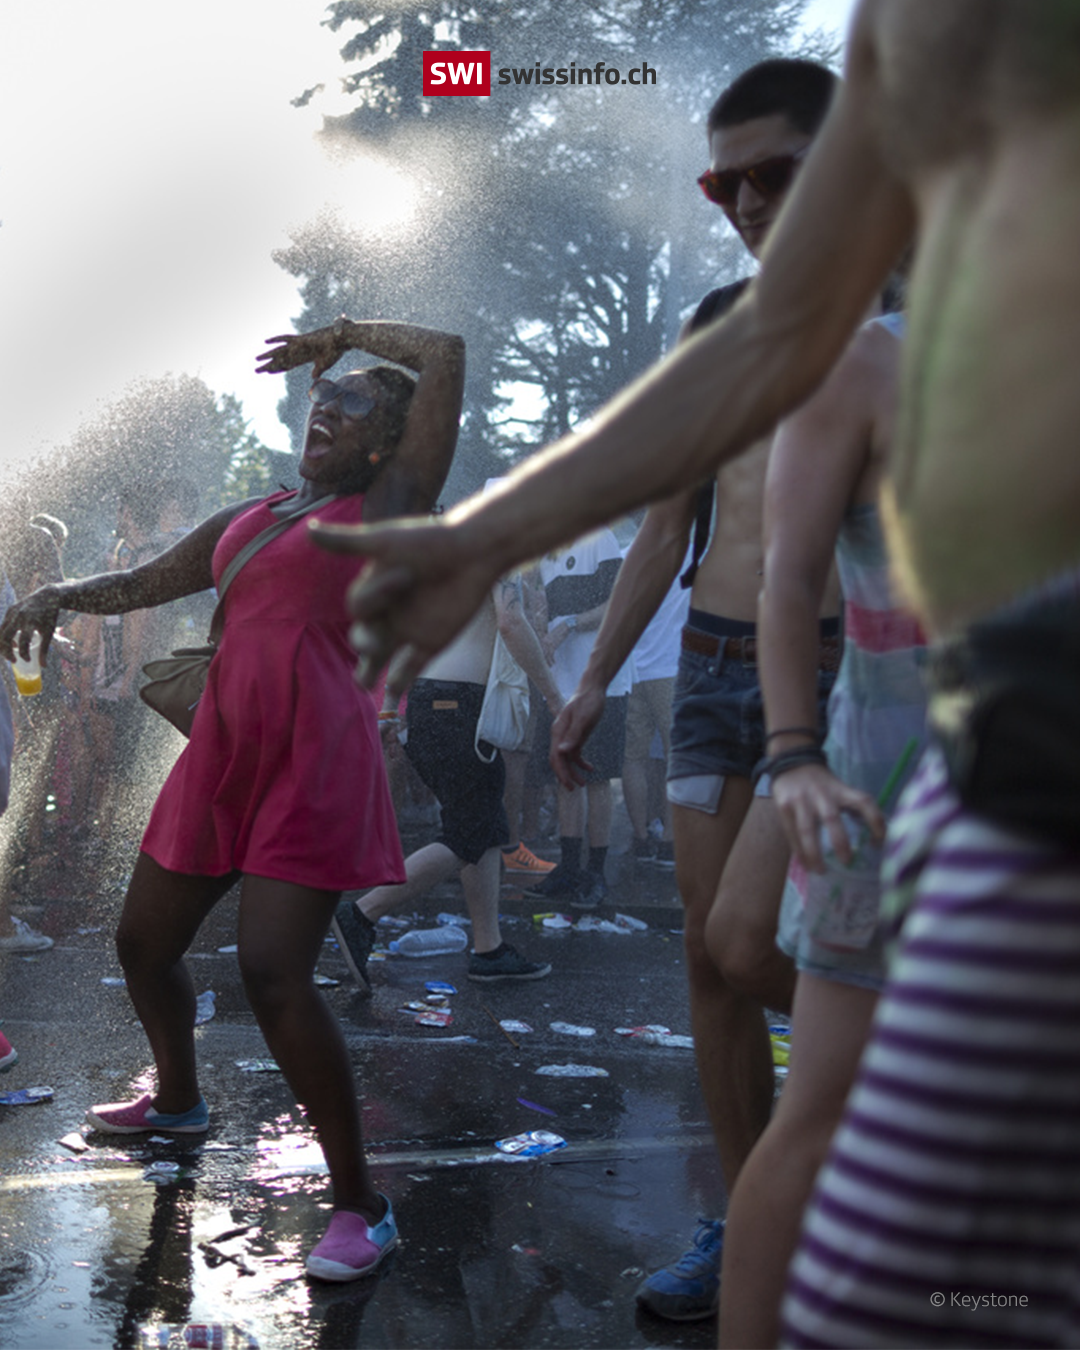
(844, 226)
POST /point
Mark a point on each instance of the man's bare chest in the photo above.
(956, 76)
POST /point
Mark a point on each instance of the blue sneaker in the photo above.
(689, 1289)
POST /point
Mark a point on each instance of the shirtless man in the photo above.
(947, 1211)
(730, 851)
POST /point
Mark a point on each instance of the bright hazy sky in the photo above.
(149, 163)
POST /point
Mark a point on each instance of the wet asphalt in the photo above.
(96, 1249)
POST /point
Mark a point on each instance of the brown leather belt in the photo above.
(745, 648)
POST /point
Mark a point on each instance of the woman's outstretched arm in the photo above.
(183, 569)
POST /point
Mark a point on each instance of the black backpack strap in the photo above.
(713, 306)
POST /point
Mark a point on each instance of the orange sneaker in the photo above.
(522, 859)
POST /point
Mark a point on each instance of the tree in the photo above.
(171, 427)
(561, 232)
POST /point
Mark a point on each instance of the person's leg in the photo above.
(282, 927)
(635, 758)
(162, 913)
(688, 1289)
(636, 796)
(516, 762)
(719, 1016)
(600, 811)
(423, 869)
(480, 883)
(830, 1022)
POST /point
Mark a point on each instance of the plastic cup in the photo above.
(28, 673)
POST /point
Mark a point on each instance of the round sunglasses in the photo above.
(768, 177)
(353, 403)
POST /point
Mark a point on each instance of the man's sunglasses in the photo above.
(353, 403)
(769, 178)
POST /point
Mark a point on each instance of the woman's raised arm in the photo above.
(413, 478)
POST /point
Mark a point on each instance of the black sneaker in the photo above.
(644, 850)
(505, 963)
(355, 934)
(592, 890)
(561, 884)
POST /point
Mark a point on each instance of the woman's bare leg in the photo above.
(282, 927)
(162, 913)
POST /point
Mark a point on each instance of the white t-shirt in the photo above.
(656, 656)
(578, 579)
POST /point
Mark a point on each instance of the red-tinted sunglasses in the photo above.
(769, 177)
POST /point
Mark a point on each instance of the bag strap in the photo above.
(264, 537)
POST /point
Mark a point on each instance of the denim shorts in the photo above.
(718, 716)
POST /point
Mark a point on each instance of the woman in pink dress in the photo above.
(282, 786)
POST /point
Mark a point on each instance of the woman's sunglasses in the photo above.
(769, 178)
(353, 403)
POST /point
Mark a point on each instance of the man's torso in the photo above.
(980, 115)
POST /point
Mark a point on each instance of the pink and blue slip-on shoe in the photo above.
(141, 1118)
(350, 1247)
(8, 1054)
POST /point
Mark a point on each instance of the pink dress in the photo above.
(283, 776)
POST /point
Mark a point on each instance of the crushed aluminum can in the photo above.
(439, 987)
(531, 1144)
(436, 1001)
(258, 1065)
(654, 1027)
(434, 1017)
(569, 1029)
(26, 1096)
(509, 1024)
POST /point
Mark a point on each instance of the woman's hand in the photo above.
(38, 613)
(811, 798)
(321, 348)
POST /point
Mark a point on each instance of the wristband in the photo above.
(812, 732)
(388, 717)
(775, 765)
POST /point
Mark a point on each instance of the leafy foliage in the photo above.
(174, 427)
(560, 230)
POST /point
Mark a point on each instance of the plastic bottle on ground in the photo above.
(441, 941)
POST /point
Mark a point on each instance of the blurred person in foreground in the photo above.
(959, 122)
(282, 786)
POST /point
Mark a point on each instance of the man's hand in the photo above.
(571, 729)
(810, 799)
(419, 591)
(322, 348)
(38, 613)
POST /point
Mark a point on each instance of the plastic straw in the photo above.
(897, 772)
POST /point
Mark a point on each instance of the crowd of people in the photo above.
(882, 614)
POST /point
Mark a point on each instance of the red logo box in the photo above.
(454, 74)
